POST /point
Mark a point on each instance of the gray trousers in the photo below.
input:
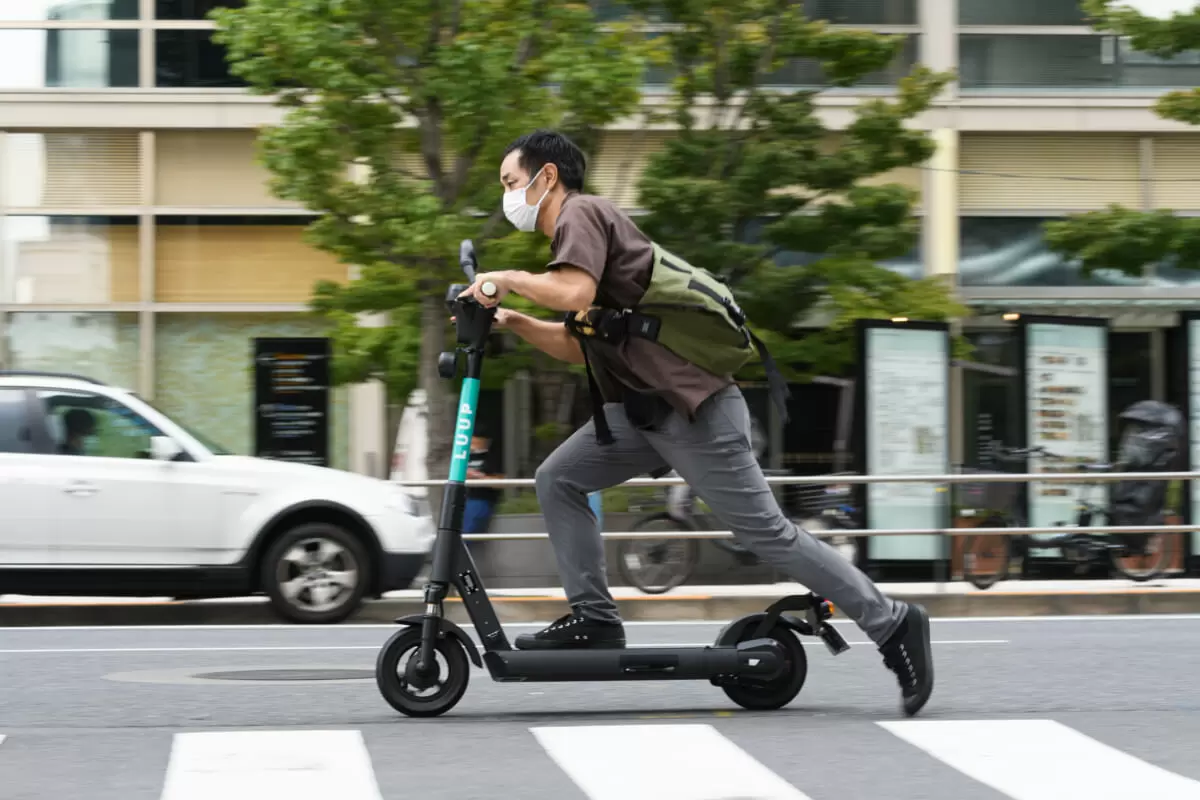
(713, 454)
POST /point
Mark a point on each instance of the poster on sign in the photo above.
(1066, 407)
(904, 375)
(291, 399)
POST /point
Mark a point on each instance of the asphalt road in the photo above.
(1020, 706)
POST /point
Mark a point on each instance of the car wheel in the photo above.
(316, 573)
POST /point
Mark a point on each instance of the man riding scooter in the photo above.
(655, 410)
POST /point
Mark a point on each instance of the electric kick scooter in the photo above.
(423, 669)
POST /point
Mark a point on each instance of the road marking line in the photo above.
(252, 765)
(1040, 759)
(650, 762)
(352, 626)
(306, 648)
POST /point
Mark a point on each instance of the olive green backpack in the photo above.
(690, 312)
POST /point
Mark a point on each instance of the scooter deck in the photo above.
(755, 658)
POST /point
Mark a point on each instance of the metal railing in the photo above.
(842, 479)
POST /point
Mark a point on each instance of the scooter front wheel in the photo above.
(453, 671)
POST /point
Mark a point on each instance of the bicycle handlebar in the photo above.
(1015, 453)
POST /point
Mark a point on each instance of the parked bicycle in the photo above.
(1152, 441)
(656, 566)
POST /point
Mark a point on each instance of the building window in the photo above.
(191, 58)
(238, 260)
(204, 372)
(103, 346)
(838, 12)
(54, 10)
(990, 401)
(807, 72)
(71, 169)
(1003, 61)
(191, 9)
(1020, 12)
(68, 59)
(1011, 251)
(863, 12)
(76, 260)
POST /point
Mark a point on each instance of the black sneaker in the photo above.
(575, 632)
(909, 654)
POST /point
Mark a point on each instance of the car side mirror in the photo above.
(164, 448)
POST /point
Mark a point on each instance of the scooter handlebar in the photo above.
(467, 260)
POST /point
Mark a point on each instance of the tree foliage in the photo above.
(396, 116)
(755, 173)
(1121, 238)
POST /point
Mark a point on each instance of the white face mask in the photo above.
(522, 215)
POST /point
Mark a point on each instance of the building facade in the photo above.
(139, 243)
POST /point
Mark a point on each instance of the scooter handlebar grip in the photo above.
(488, 289)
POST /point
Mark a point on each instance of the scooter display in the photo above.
(424, 668)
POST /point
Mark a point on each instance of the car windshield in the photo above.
(215, 448)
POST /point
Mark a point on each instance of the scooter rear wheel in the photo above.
(758, 695)
(453, 674)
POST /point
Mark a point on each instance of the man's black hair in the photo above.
(542, 147)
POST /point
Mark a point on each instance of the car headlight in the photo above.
(400, 500)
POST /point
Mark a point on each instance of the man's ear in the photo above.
(551, 173)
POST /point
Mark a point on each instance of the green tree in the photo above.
(754, 172)
(396, 115)
(1121, 238)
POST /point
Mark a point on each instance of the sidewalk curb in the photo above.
(636, 608)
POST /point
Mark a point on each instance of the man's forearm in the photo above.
(552, 290)
(552, 338)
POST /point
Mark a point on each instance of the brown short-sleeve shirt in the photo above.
(597, 237)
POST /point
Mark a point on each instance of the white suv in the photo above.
(101, 494)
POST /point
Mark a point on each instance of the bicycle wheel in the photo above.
(656, 566)
(986, 558)
(1139, 556)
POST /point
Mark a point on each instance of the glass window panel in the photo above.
(14, 422)
(1011, 251)
(71, 169)
(191, 58)
(839, 12)
(1020, 12)
(990, 400)
(863, 12)
(53, 10)
(68, 59)
(238, 260)
(808, 72)
(88, 424)
(85, 260)
(1130, 376)
(99, 345)
(191, 9)
(1071, 62)
(205, 375)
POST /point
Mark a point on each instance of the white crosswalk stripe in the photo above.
(729, 759)
(1040, 759)
(683, 762)
(252, 765)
